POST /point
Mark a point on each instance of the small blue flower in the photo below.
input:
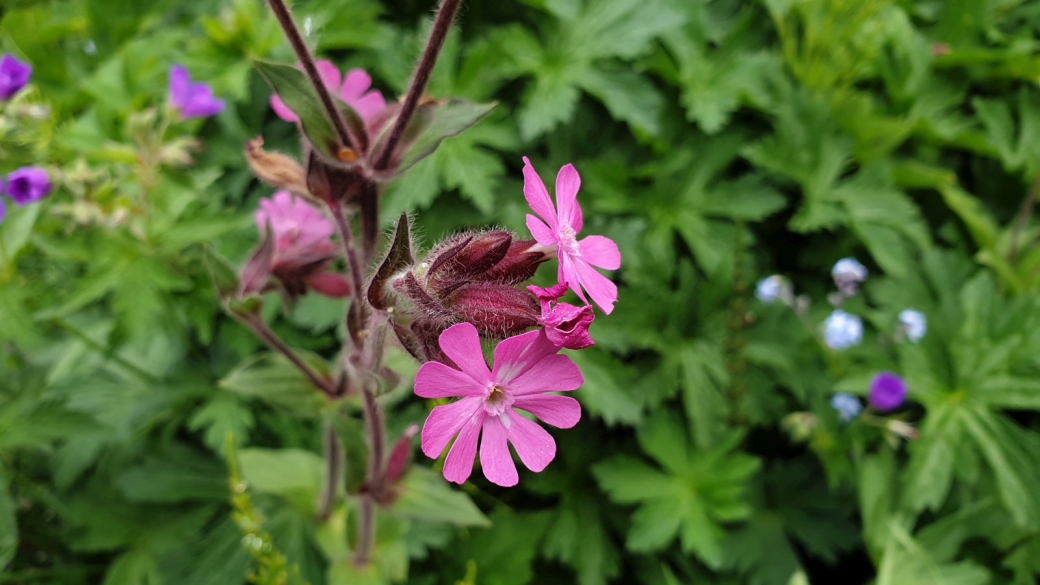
(847, 274)
(847, 405)
(773, 288)
(914, 324)
(842, 330)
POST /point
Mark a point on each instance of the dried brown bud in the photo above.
(276, 169)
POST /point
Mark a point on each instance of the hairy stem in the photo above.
(374, 478)
(261, 330)
(423, 71)
(281, 12)
(350, 252)
(333, 469)
(1023, 216)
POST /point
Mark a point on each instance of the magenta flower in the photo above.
(526, 369)
(3, 210)
(565, 325)
(192, 100)
(887, 391)
(28, 185)
(354, 92)
(577, 258)
(302, 247)
(14, 75)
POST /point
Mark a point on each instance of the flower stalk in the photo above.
(438, 34)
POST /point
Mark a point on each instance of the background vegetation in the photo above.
(718, 142)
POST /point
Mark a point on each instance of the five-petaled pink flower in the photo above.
(354, 92)
(566, 325)
(576, 258)
(302, 247)
(526, 368)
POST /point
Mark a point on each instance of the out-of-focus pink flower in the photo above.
(526, 369)
(302, 245)
(353, 91)
(558, 229)
(192, 100)
(566, 325)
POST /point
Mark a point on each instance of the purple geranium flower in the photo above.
(3, 210)
(887, 391)
(13, 76)
(28, 185)
(192, 100)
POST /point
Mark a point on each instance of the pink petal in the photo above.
(495, 458)
(446, 421)
(567, 184)
(599, 287)
(533, 444)
(282, 110)
(354, 85)
(461, 343)
(458, 465)
(600, 251)
(562, 412)
(538, 197)
(329, 74)
(436, 380)
(369, 106)
(568, 274)
(541, 232)
(551, 374)
(517, 354)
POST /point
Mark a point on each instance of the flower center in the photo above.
(497, 400)
(569, 242)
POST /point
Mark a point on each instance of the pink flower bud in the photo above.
(518, 265)
(330, 284)
(463, 259)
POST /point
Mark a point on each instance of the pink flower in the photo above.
(302, 247)
(566, 325)
(577, 258)
(526, 368)
(354, 92)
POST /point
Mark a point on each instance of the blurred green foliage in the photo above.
(719, 141)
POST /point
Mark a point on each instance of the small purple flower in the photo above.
(3, 210)
(192, 100)
(28, 185)
(773, 288)
(887, 391)
(847, 405)
(13, 76)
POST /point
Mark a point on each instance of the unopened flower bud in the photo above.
(275, 169)
(400, 454)
(519, 263)
(464, 259)
(497, 310)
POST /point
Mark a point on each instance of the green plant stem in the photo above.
(343, 132)
(271, 339)
(346, 235)
(333, 463)
(438, 34)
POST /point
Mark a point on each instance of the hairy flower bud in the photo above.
(518, 265)
(497, 310)
(400, 454)
(464, 259)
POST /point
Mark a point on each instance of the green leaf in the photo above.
(8, 525)
(351, 434)
(628, 96)
(293, 473)
(604, 393)
(295, 89)
(423, 494)
(182, 477)
(272, 378)
(432, 124)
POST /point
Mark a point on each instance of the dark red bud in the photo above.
(428, 335)
(408, 286)
(469, 262)
(331, 183)
(496, 310)
(517, 265)
(330, 284)
(400, 454)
